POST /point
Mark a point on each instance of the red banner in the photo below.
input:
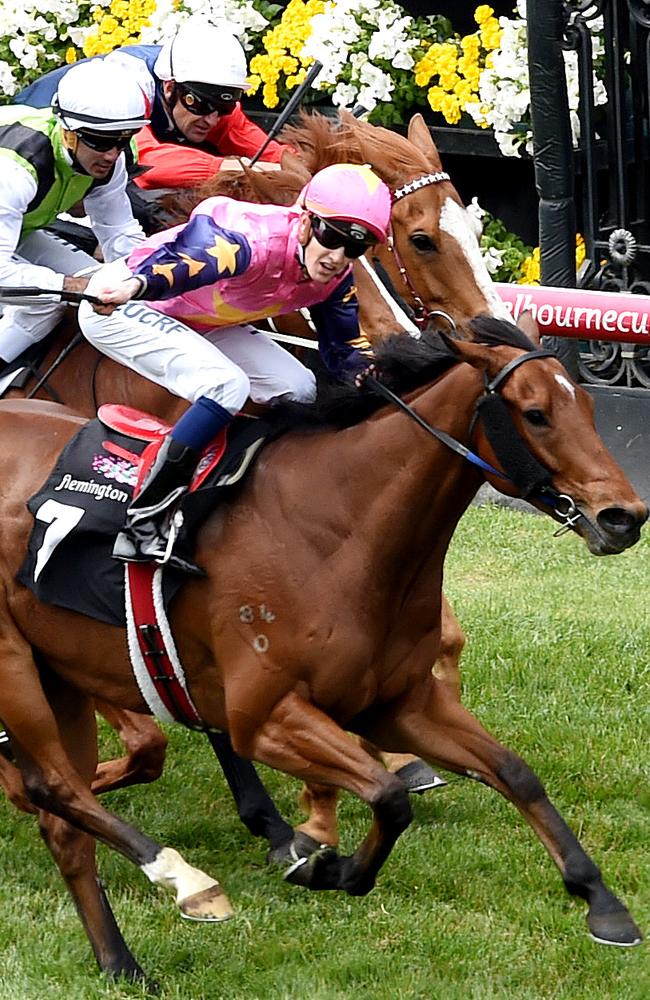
(576, 312)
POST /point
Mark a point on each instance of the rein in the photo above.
(420, 314)
(521, 469)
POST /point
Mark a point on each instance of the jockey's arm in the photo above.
(199, 253)
(17, 190)
(341, 343)
(178, 166)
(111, 216)
(170, 165)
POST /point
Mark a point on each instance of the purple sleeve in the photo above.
(201, 253)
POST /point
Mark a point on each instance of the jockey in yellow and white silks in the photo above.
(233, 263)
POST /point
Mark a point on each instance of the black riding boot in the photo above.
(145, 535)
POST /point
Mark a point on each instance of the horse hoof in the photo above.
(614, 928)
(211, 905)
(318, 871)
(419, 777)
(296, 850)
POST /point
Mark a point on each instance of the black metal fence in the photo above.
(601, 188)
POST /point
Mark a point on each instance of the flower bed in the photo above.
(372, 52)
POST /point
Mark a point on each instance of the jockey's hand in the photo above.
(113, 294)
(370, 371)
(262, 165)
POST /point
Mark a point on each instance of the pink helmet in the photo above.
(351, 192)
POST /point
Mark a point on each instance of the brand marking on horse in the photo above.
(247, 614)
(457, 222)
(261, 643)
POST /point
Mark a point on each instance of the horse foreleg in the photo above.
(319, 802)
(146, 745)
(255, 807)
(14, 786)
(444, 732)
(417, 775)
(452, 642)
(301, 740)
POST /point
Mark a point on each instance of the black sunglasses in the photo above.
(103, 142)
(201, 105)
(354, 239)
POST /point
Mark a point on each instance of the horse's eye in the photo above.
(423, 243)
(536, 418)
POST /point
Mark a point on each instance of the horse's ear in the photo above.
(527, 322)
(420, 136)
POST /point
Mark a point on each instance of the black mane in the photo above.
(405, 363)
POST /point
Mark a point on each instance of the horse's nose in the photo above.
(622, 522)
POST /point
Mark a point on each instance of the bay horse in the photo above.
(433, 259)
(355, 590)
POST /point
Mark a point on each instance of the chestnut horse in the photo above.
(432, 258)
(355, 590)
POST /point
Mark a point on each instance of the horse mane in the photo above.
(319, 141)
(323, 141)
(404, 364)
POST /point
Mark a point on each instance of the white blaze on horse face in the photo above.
(407, 325)
(458, 223)
(564, 382)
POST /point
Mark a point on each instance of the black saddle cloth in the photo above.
(83, 503)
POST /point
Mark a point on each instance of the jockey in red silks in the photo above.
(187, 298)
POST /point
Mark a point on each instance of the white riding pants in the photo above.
(226, 364)
(21, 326)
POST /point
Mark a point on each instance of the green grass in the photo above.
(469, 906)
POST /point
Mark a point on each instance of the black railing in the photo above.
(610, 169)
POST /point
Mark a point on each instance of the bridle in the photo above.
(519, 466)
(420, 313)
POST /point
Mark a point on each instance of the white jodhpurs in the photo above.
(21, 326)
(226, 364)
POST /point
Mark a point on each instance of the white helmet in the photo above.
(200, 52)
(91, 95)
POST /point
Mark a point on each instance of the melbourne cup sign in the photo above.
(576, 312)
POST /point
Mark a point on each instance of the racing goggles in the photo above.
(354, 238)
(104, 142)
(201, 101)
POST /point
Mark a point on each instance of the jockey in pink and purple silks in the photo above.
(187, 298)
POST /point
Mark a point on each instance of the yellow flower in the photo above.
(483, 14)
(531, 267)
(122, 25)
(70, 55)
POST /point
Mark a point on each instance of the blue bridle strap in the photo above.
(546, 494)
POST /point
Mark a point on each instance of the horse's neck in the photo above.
(423, 487)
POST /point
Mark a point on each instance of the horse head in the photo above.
(563, 468)
(431, 261)
(432, 256)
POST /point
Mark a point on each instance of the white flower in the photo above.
(492, 258)
(377, 82)
(8, 83)
(475, 209)
(345, 95)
